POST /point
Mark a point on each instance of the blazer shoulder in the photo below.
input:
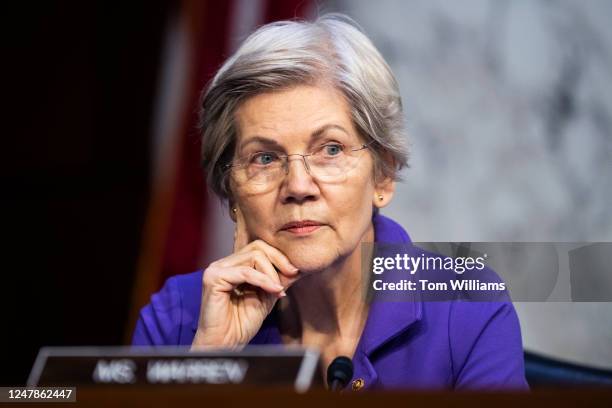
(486, 345)
(189, 289)
(169, 317)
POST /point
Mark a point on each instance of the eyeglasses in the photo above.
(329, 163)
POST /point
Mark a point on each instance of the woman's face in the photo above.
(297, 120)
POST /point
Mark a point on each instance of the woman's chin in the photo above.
(310, 253)
(310, 261)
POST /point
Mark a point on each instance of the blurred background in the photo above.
(508, 105)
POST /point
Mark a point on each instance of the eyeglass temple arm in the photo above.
(363, 146)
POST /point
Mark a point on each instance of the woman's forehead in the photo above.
(303, 113)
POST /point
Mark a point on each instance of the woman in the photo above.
(303, 134)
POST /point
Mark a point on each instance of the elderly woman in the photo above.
(303, 135)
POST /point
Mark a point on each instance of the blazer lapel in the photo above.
(391, 314)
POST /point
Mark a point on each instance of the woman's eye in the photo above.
(264, 158)
(333, 149)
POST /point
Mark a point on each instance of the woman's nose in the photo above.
(298, 185)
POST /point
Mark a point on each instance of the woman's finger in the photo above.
(241, 236)
(278, 259)
(233, 277)
(258, 259)
(263, 263)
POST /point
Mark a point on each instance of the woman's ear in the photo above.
(383, 192)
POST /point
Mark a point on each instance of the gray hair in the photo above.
(331, 50)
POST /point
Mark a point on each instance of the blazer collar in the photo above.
(390, 314)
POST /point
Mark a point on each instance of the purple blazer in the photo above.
(413, 344)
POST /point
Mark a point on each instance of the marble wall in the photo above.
(509, 108)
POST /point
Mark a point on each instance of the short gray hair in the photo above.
(331, 50)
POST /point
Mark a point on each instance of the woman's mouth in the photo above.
(301, 227)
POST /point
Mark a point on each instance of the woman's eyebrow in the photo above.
(262, 140)
(320, 131)
(317, 134)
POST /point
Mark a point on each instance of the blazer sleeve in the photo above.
(159, 322)
(486, 346)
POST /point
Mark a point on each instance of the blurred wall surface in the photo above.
(510, 116)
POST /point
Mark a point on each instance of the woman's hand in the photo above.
(240, 290)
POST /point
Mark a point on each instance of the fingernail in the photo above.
(282, 294)
(295, 270)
